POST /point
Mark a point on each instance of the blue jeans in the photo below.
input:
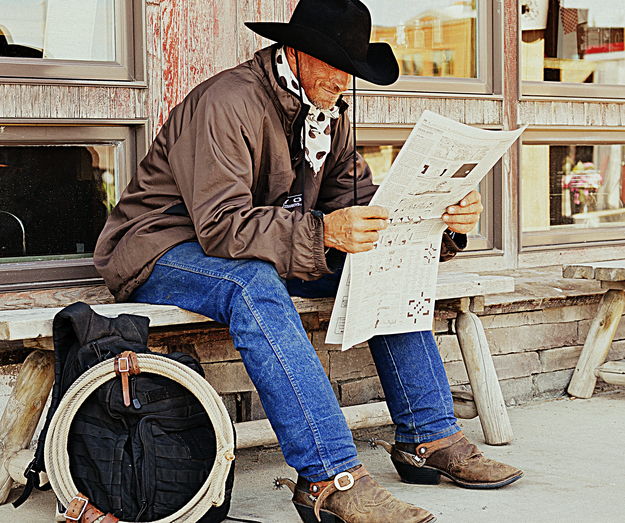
(250, 297)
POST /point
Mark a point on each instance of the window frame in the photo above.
(529, 88)
(129, 135)
(491, 191)
(554, 239)
(129, 67)
(489, 63)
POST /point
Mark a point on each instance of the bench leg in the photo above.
(598, 343)
(483, 378)
(23, 410)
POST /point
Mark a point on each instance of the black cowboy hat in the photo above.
(336, 32)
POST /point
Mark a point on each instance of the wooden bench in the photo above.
(591, 364)
(460, 293)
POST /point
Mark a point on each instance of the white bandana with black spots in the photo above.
(317, 125)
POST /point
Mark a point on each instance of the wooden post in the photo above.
(483, 378)
(598, 343)
(23, 410)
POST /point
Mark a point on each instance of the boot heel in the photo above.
(416, 475)
(308, 516)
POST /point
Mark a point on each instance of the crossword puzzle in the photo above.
(419, 307)
(431, 254)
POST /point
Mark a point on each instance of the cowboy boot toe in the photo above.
(454, 457)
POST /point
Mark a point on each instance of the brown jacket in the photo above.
(228, 154)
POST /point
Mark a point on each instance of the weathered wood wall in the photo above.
(188, 41)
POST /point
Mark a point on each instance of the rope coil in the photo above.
(212, 492)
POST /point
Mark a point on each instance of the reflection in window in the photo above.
(574, 41)
(54, 200)
(58, 29)
(572, 186)
(429, 37)
(380, 158)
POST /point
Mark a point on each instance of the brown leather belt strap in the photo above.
(81, 511)
(342, 481)
(126, 364)
(425, 450)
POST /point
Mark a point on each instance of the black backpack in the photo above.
(142, 462)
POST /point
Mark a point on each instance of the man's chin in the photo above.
(324, 105)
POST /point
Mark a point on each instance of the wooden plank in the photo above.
(613, 270)
(598, 343)
(580, 271)
(37, 323)
(612, 372)
(619, 285)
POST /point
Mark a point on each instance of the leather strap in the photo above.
(342, 481)
(425, 450)
(126, 364)
(81, 511)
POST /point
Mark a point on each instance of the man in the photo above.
(247, 197)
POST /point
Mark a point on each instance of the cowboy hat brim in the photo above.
(380, 66)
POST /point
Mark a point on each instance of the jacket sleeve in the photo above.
(338, 188)
(212, 163)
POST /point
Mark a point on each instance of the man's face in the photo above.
(322, 82)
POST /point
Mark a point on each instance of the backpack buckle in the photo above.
(74, 510)
(126, 364)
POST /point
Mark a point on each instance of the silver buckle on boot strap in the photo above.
(341, 485)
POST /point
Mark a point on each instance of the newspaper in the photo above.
(391, 289)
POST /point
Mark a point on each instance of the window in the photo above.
(57, 187)
(441, 45)
(380, 147)
(71, 39)
(572, 188)
(573, 47)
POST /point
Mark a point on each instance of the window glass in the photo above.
(54, 200)
(572, 187)
(429, 37)
(573, 41)
(58, 29)
(380, 158)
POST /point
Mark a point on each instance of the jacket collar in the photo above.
(287, 104)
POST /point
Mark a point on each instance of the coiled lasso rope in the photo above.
(56, 457)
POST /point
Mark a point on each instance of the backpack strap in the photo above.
(81, 511)
(126, 364)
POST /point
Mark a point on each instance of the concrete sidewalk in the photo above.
(572, 452)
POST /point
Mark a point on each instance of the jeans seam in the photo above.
(438, 384)
(403, 389)
(313, 427)
(194, 270)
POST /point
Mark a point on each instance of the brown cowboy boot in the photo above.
(351, 497)
(454, 457)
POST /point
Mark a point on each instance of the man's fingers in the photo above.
(471, 198)
(474, 208)
(374, 224)
(366, 237)
(362, 247)
(452, 219)
(371, 212)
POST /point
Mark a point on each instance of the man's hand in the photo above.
(464, 216)
(354, 229)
